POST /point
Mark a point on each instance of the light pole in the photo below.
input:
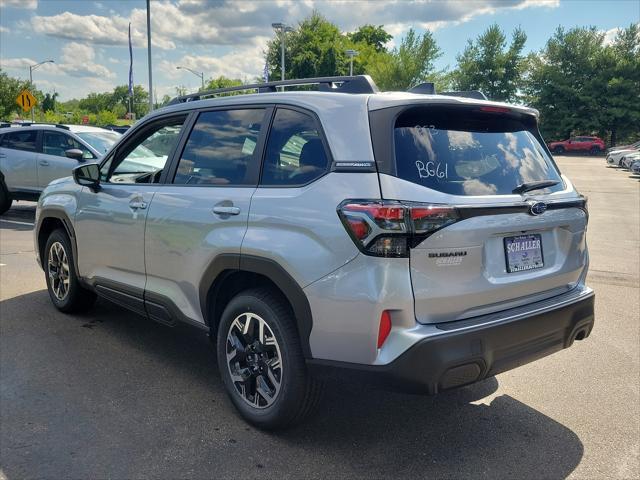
(197, 74)
(282, 29)
(149, 55)
(351, 54)
(31, 69)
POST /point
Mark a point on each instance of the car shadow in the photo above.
(109, 393)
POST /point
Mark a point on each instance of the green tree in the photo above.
(222, 82)
(95, 102)
(582, 86)
(406, 66)
(619, 78)
(367, 34)
(489, 65)
(49, 102)
(314, 49)
(10, 87)
(120, 96)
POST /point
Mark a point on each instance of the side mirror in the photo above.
(87, 175)
(74, 153)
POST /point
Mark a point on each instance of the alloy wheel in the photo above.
(253, 360)
(58, 270)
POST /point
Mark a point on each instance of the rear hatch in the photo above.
(503, 245)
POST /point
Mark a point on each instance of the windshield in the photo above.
(100, 141)
(470, 153)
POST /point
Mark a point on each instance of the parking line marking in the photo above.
(16, 222)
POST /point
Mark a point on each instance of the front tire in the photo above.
(63, 285)
(5, 198)
(594, 151)
(261, 362)
(558, 150)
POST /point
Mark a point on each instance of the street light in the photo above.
(282, 29)
(351, 54)
(197, 74)
(31, 69)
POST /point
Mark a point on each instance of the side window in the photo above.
(221, 149)
(295, 152)
(57, 143)
(143, 159)
(24, 140)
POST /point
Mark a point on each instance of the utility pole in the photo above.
(149, 55)
(31, 69)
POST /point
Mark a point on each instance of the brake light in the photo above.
(387, 228)
(495, 109)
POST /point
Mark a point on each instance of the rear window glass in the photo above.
(469, 152)
(21, 140)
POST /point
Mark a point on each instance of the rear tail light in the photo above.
(388, 228)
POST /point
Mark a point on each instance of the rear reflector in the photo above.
(385, 327)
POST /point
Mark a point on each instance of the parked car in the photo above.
(635, 167)
(633, 146)
(628, 158)
(615, 157)
(424, 241)
(118, 128)
(592, 145)
(31, 156)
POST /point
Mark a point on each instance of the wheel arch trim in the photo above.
(220, 266)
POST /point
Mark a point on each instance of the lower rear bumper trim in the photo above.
(457, 358)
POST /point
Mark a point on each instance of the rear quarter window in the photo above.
(469, 152)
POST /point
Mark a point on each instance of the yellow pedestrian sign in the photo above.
(26, 100)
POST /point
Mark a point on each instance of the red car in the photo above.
(593, 145)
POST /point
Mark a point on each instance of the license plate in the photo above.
(523, 252)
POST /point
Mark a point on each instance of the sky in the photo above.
(88, 39)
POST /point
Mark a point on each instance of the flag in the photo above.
(130, 64)
(265, 72)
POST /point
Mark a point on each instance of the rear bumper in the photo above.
(465, 352)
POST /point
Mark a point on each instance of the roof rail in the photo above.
(345, 84)
(478, 95)
(30, 124)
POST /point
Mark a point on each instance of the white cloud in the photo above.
(4, 29)
(610, 35)
(76, 60)
(235, 23)
(26, 4)
(245, 63)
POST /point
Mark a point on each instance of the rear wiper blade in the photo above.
(527, 187)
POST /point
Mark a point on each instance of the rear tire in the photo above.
(63, 285)
(595, 151)
(558, 150)
(5, 198)
(261, 361)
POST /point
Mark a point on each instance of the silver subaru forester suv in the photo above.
(419, 240)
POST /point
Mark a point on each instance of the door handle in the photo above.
(137, 204)
(226, 210)
(44, 163)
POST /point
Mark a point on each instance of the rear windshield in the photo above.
(469, 152)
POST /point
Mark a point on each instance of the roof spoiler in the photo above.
(428, 88)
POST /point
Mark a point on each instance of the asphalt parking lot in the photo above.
(109, 394)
